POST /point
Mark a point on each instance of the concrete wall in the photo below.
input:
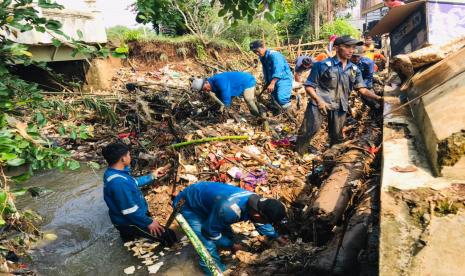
(438, 115)
(77, 15)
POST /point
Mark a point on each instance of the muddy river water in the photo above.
(87, 243)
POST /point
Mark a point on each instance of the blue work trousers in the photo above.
(282, 92)
(195, 222)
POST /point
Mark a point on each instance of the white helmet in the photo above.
(197, 84)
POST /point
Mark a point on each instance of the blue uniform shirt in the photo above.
(367, 67)
(126, 204)
(334, 84)
(231, 84)
(220, 205)
(275, 65)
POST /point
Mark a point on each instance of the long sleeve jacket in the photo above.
(125, 201)
(220, 205)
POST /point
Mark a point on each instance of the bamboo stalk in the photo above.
(198, 246)
(209, 139)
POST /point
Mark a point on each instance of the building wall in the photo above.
(444, 17)
(77, 15)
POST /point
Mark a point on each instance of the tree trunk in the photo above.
(316, 18)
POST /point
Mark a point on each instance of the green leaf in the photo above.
(80, 34)
(269, 16)
(117, 55)
(53, 25)
(93, 165)
(56, 42)
(3, 198)
(47, 4)
(16, 162)
(122, 50)
(5, 156)
(40, 29)
(62, 130)
(19, 192)
(73, 134)
(40, 119)
(73, 165)
(22, 177)
(222, 12)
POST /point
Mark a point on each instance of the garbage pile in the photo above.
(183, 130)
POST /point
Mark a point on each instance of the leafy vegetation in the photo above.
(23, 111)
(338, 27)
(242, 21)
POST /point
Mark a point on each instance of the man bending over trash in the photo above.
(277, 75)
(211, 207)
(128, 209)
(227, 85)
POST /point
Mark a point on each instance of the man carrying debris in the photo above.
(128, 209)
(222, 87)
(211, 207)
(302, 64)
(277, 74)
(329, 86)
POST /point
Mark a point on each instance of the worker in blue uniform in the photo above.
(367, 68)
(222, 87)
(277, 74)
(211, 207)
(128, 209)
(329, 85)
(302, 64)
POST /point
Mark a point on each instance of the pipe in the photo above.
(198, 246)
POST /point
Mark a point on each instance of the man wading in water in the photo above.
(128, 209)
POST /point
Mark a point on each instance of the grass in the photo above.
(123, 34)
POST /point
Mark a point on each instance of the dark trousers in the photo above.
(312, 123)
(132, 232)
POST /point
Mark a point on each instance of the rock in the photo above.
(129, 270)
(50, 236)
(154, 268)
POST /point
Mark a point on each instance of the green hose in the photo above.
(199, 247)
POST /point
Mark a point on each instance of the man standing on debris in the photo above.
(277, 74)
(227, 85)
(329, 86)
(302, 64)
(211, 207)
(128, 209)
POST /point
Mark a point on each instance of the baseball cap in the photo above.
(271, 209)
(359, 51)
(347, 40)
(197, 84)
(254, 45)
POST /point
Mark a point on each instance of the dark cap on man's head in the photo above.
(254, 45)
(347, 40)
(271, 209)
(307, 61)
(359, 51)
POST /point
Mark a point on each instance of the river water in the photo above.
(87, 243)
